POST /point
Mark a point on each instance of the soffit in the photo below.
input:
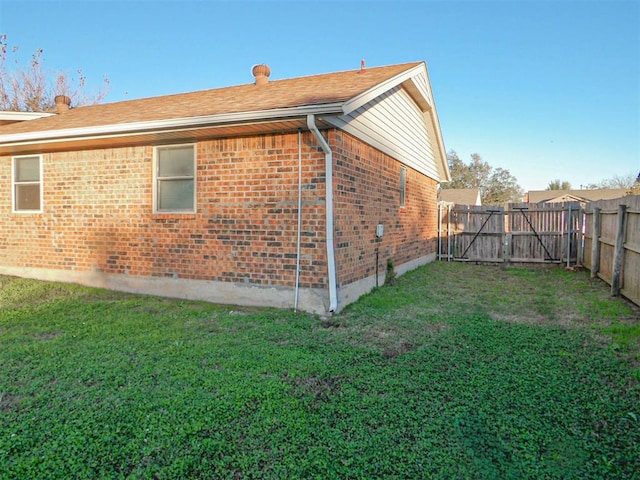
(157, 137)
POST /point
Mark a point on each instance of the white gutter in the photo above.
(331, 259)
(172, 123)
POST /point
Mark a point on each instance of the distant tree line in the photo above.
(496, 185)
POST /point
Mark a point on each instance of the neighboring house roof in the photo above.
(551, 196)
(342, 99)
(13, 117)
(460, 196)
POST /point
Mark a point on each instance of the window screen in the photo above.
(26, 183)
(175, 177)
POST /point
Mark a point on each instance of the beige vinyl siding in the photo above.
(394, 124)
(440, 166)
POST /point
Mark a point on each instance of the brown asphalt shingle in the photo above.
(461, 196)
(538, 196)
(294, 92)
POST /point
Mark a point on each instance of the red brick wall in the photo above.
(97, 215)
(367, 192)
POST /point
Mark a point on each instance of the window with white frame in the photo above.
(175, 181)
(27, 183)
(403, 186)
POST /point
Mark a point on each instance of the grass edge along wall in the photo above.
(97, 224)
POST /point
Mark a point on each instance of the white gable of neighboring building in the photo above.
(565, 198)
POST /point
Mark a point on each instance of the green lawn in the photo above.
(455, 372)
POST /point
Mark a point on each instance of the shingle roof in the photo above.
(538, 196)
(294, 92)
(460, 196)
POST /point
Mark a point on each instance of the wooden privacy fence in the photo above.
(522, 233)
(612, 244)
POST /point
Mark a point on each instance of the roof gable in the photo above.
(398, 117)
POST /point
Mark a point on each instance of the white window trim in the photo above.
(155, 179)
(13, 184)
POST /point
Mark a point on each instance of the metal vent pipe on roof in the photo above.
(261, 73)
(63, 103)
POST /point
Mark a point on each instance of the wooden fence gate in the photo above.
(521, 233)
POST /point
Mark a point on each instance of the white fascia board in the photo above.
(365, 97)
(435, 121)
(171, 124)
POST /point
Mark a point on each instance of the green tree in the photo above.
(557, 184)
(33, 88)
(497, 186)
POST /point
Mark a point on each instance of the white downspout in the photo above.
(331, 259)
(295, 303)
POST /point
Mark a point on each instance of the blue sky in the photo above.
(546, 89)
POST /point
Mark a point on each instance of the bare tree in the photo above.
(635, 188)
(619, 181)
(33, 88)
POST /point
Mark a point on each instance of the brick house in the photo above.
(290, 193)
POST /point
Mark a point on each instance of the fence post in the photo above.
(449, 245)
(569, 233)
(595, 243)
(618, 252)
(580, 238)
(439, 231)
(506, 236)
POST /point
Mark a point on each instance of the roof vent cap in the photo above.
(261, 73)
(63, 103)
